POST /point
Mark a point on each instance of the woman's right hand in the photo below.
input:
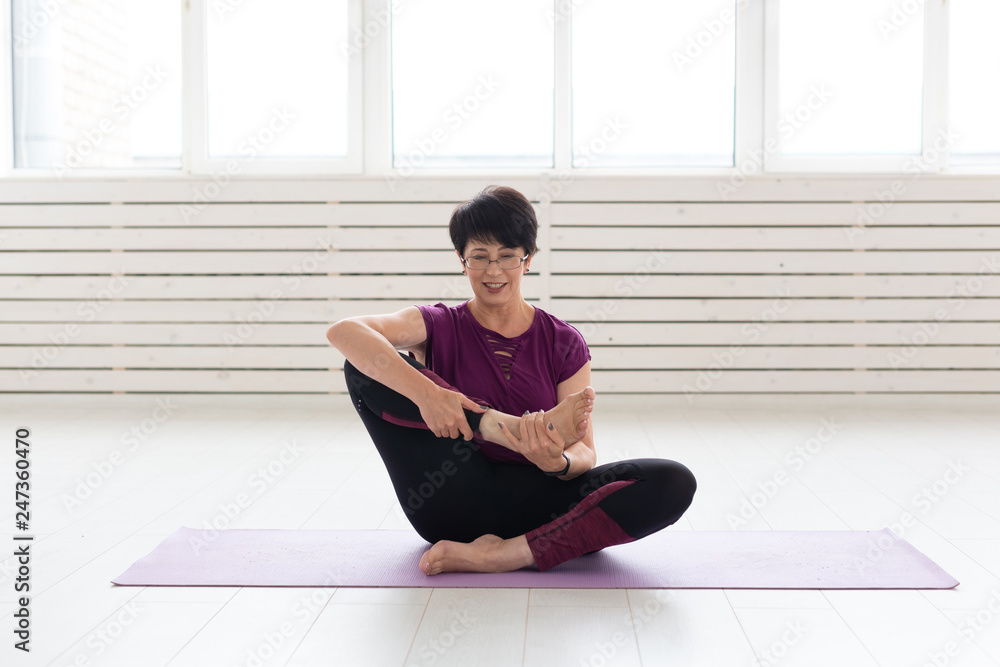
(443, 411)
(539, 444)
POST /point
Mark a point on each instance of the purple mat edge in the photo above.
(548, 579)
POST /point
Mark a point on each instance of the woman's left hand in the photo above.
(538, 443)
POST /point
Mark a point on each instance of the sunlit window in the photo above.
(472, 83)
(850, 78)
(974, 81)
(653, 83)
(97, 84)
(278, 78)
(327, 85)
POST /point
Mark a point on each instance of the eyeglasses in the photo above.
(480, 262)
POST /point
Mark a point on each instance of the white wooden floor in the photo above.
(94, 513)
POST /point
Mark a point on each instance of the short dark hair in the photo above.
(498, 214)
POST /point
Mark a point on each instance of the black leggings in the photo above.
(450, 491)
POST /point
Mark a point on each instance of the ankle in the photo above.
(489, 428)
(519, 552)
(487, 422)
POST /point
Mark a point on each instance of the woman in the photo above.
(509, 480)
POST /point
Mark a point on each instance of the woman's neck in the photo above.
(516, 316)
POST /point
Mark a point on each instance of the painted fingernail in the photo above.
(526, 412)
(550, 426)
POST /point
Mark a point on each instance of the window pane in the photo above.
(97, 84)
(472, 83)
(974, 80)
(850, 78)
(277, 78)
(653, 83)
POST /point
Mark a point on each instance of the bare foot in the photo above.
(488, 553)
(569, 419)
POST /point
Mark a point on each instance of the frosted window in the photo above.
(472, 83)
(97, 84)
(850, 78)
(277, 78)
(653, 83)
(974, 80)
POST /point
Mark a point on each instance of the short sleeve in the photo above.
(573, 349)
(434, 319)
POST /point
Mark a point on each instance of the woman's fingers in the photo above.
(541, 429)
(528, 430)
(449, 416)
(536, 442)
(510, 436)
(553, 435)
(472, 405)
(535, 427)
(463, 425)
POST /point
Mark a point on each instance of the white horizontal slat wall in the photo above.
(783, 297)
(672, 298)
(230, 298)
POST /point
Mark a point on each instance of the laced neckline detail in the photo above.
(504, 349)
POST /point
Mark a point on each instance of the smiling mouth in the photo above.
(494, 285)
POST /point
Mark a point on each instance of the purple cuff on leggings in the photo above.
(409, 423)
(403, 422)
(392, 419)
(583, 529)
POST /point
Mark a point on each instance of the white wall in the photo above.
(801, 286)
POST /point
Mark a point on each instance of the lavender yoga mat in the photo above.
(667, 559)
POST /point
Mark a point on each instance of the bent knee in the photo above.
(684, 480)
(356, 380)
(674, 482)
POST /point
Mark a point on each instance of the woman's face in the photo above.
(494, 285)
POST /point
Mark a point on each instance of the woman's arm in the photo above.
(582, 453)
(371, 342)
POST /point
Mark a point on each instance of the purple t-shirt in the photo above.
(477, 360)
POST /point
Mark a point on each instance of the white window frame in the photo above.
(561, 116)
(933, 113)
(195, 103)
(194, 137)
(368, 165)
(974, 167)
(83, 174)
(747, 133)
